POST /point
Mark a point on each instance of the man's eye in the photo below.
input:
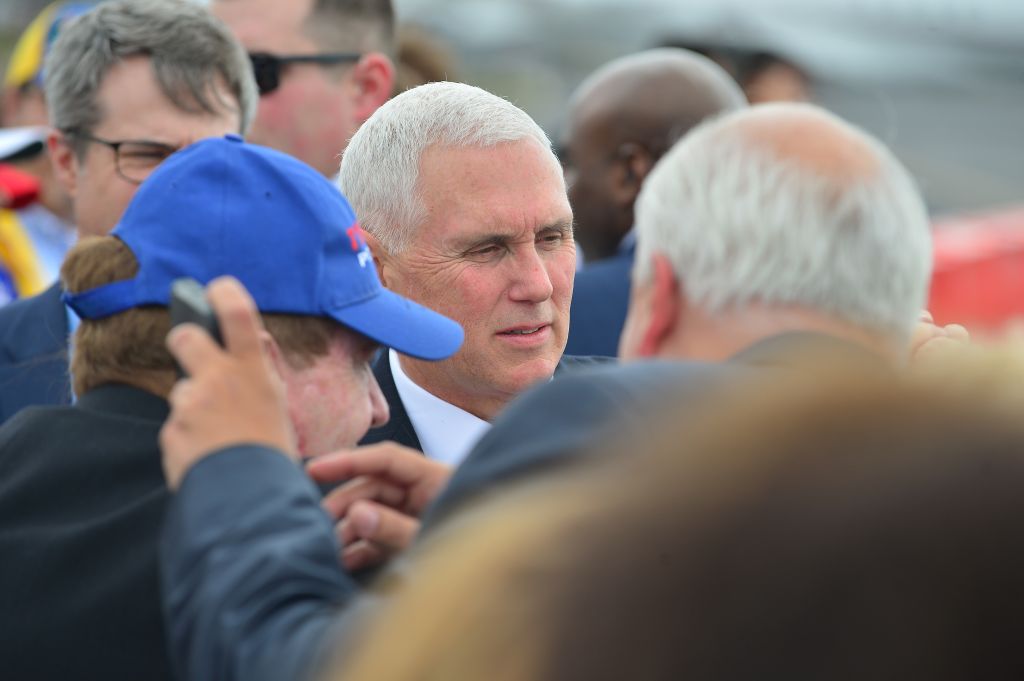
(141, 154)
(551, 239)
(145, 156)
(485, 252)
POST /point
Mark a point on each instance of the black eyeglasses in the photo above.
(267, 67)
(134, 159)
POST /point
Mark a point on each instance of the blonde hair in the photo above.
(829, 526)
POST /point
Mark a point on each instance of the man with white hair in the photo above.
(764, 236)
(777, 219)
(464, 206)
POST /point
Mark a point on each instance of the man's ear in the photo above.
(276, 355)
(380, 258)
(666, 307)
(374, 78)
(64, 161)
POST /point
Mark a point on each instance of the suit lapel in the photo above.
(38, 329)
(398, 428)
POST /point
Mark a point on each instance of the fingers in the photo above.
(385, 527)
(239, 323)
(957, 332)
(929, 337)
(239, 320)
(231, 396)
(924, 331)
(362, 555)
(338, 501)
(192, 347)
(388, 460)
(371, 533)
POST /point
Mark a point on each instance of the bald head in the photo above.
(621, 120)
(654, 96)
(811, 138)
(787, 207)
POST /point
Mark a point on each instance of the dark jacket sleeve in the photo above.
(251, 581)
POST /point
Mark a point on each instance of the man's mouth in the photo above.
(522, 331)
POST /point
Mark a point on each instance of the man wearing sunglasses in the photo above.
(127, 84)
(321, 67)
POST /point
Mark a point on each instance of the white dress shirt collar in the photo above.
(446, 432)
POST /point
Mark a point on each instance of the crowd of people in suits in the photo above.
(731, 445)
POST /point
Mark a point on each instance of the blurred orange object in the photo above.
(17, 189)
(978, 279)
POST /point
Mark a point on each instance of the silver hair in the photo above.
(190, 49)
(380, 166)
(741, 225)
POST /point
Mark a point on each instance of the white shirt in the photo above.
(446, 432)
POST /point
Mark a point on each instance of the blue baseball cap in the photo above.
(225, 207)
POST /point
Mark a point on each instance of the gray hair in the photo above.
(190, 49)
(740, 224)
(345, 25)
(380, 166)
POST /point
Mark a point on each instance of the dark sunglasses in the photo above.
(267, 67)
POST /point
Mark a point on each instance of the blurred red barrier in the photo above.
(979, 270)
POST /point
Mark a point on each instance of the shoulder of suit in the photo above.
(30, 319)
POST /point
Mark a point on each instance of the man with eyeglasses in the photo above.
(127, 84)
(322, 67)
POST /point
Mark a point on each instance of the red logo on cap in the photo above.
(356, 238)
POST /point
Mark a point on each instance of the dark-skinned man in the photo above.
(621, 120)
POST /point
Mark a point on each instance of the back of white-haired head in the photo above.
(380, 167)
(743, 223)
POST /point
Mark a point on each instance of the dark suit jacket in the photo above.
(82, 499)
(399, 427)
(600, 296)
(33, 353)
(553, 424)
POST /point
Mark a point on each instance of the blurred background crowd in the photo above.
(939, 81)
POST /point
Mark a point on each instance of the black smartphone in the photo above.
(189, 304)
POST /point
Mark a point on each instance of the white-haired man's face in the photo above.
(496, 254)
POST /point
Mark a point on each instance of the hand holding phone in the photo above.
(189, 304)
(233, 394)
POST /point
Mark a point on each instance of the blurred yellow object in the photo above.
(18, 257)
(26, 62)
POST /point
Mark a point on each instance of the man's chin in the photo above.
(532, 371)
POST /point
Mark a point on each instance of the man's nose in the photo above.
(530, 279)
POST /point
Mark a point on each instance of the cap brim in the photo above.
(403, 325)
